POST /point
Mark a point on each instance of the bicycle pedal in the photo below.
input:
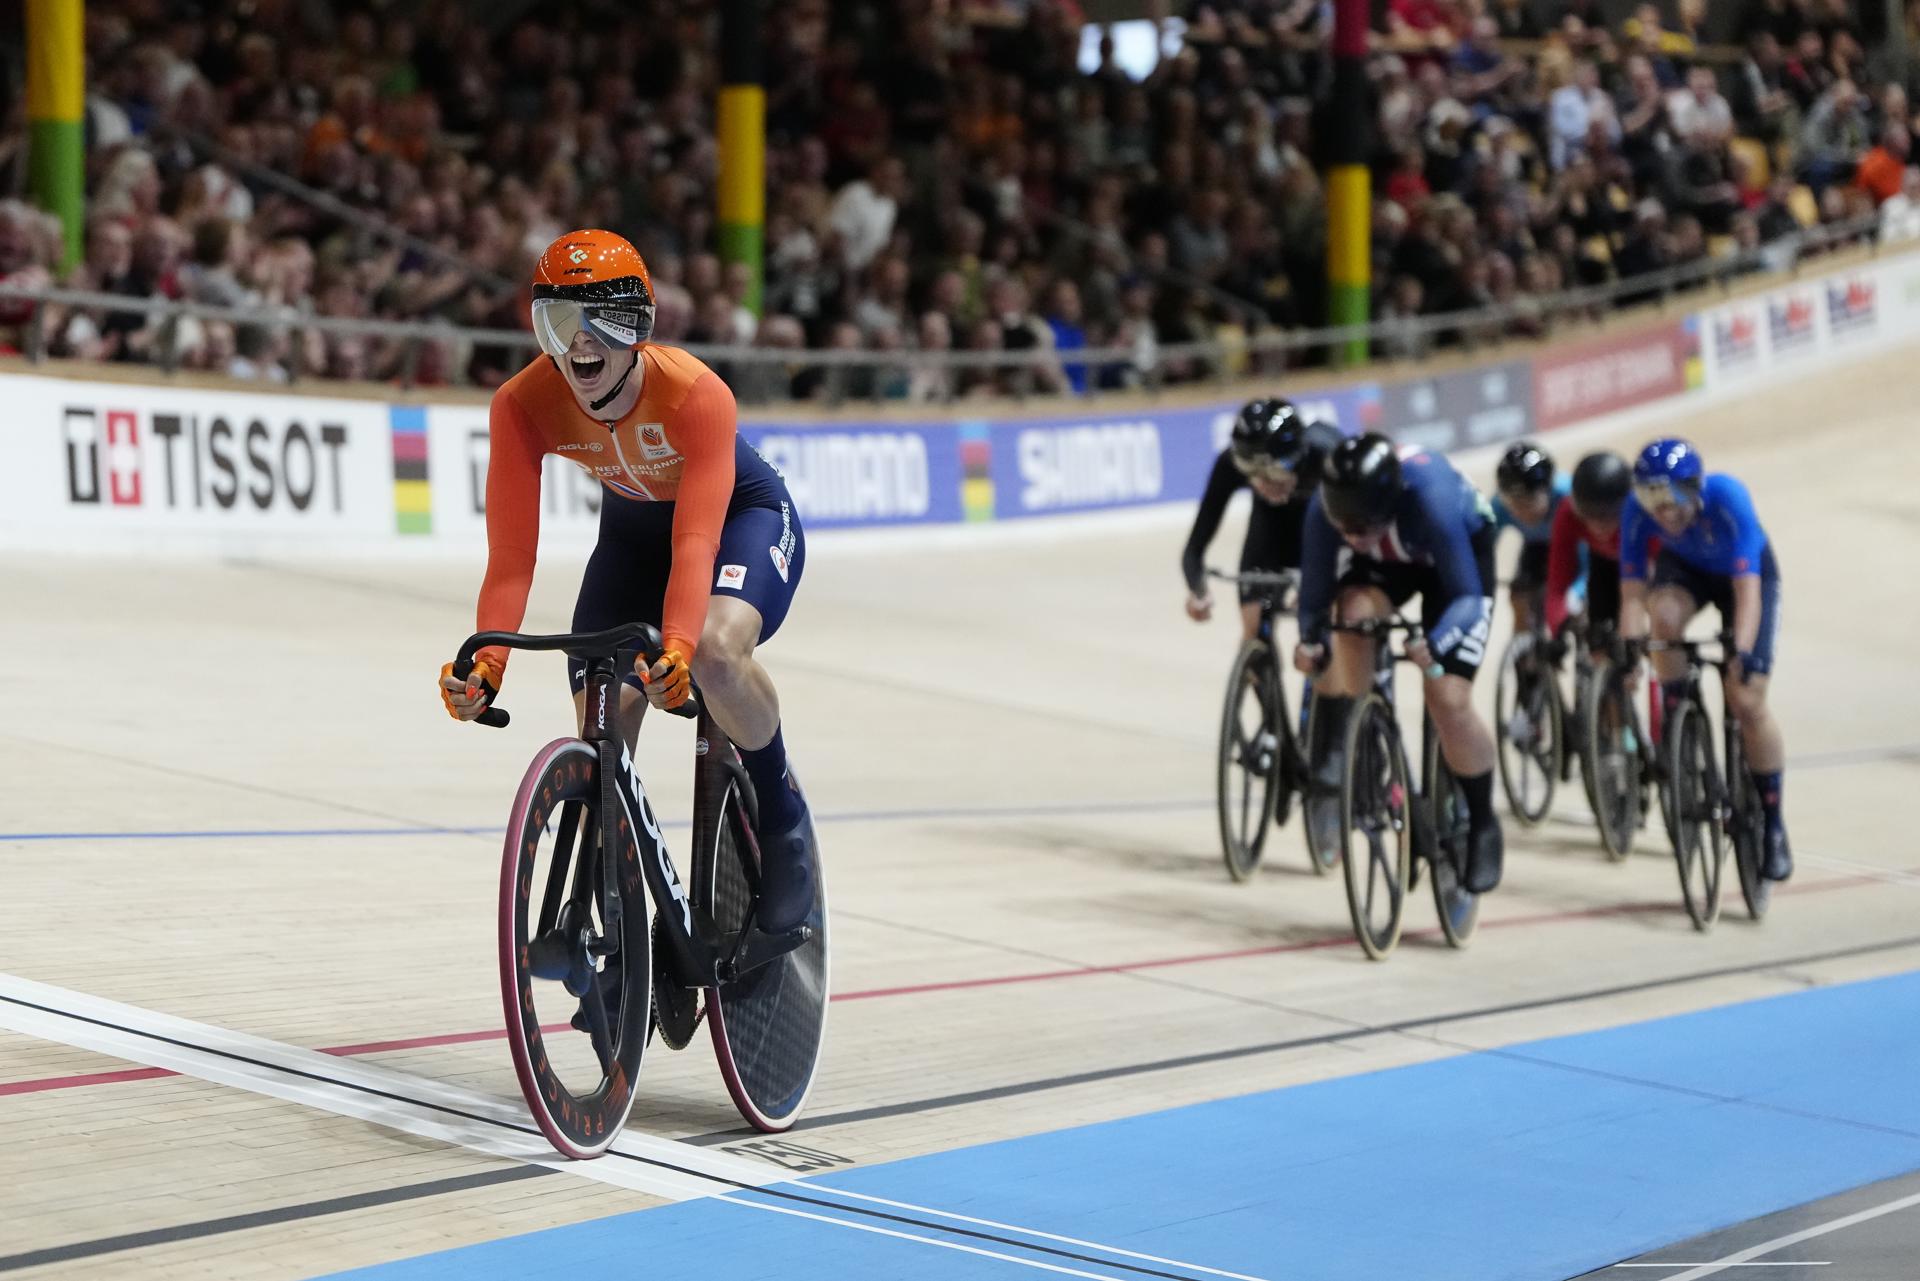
(754, 948)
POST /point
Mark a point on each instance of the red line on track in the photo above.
(955, 985)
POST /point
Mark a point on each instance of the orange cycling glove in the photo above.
(670, 680)
(466, 699)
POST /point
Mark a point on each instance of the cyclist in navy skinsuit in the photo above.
(1382, 528)
(1713, 551)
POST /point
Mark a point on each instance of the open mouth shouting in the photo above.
(587, 368)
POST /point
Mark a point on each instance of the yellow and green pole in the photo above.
(743, 142)
(1349, 183)
(56, 111)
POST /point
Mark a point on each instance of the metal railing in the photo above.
(879, 375)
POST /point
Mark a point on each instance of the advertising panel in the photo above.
(1459, 408)
(115, 459)
(1621, 372)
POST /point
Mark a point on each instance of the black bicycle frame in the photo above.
(701, 956)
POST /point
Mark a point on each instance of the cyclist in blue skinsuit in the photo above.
(1713, 551)
(1381, 529)
(1528, 491)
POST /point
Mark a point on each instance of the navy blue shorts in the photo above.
(762, 554)
(1717, 590)
(1402, 582)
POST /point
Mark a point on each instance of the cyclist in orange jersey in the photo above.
(697, 531)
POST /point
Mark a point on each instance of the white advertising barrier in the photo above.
(1792, 329)
(122, 466)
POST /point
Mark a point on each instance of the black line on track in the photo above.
(1304, 1042)
(266, 1218)
(719, 1179)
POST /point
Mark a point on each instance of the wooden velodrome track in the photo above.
(228, 796)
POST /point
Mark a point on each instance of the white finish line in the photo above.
(415, 1105)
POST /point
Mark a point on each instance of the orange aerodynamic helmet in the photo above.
(594, 280)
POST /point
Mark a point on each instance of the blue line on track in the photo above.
(1528, 1163)
(856, 816)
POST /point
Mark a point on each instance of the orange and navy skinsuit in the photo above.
(677, 478)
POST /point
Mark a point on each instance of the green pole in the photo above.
(56, 109)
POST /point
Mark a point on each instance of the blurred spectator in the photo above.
(1762, 106)
(1883, 171)
(1900, 213)
(864, 211)
(1834, 137)
(1579, 109)
(1064, 319)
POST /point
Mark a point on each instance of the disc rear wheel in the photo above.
(769, 1025)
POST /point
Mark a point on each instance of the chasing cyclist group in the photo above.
(698, 536)
(1634, 548)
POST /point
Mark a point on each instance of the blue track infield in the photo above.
(1536, 1162)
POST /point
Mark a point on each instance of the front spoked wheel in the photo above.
(770, 1024)
(1529, 729)
(1699, 802)
(1612, 760)
(1747, 824)
(1459, 907)
(1251, 751)
(1376, 849)
(574, 952)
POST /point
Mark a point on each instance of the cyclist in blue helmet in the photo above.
(1713, 551)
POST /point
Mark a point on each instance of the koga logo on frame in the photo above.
(203, 462)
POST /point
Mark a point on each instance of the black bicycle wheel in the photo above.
(1320, 860)
(1698, 803)
(1376, 848)
(555, 929)
(1611, 760)
(1528, 730)
(770, 1025)
(1459, 907)
(1747, 824)
(1249, 759)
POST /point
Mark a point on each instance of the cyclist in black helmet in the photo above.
(1382, 529)
(1527, 493)
(1277, 454)
(1589, 522)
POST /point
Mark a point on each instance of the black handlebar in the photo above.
(640, 638)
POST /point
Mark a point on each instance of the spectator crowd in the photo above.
(937, 178)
